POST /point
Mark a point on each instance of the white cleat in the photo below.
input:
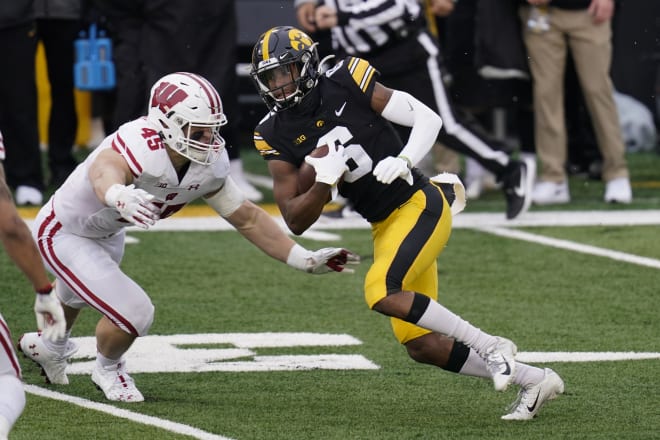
(618, 191)
(551, 193)
(501, 363)
(116, 384)
(28, 195)
(53, 364)
(530, 400)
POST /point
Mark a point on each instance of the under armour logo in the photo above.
(193, 187)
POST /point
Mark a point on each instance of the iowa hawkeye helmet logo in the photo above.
(299, 40)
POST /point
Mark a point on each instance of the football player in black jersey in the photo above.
(346, 109)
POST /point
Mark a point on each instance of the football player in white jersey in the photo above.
(17, 241)
(147, 170)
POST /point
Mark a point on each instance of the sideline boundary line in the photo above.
(168, 425)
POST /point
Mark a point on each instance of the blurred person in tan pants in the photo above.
(584, 28)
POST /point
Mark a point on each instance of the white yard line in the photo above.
(572, 246)
(178, 428)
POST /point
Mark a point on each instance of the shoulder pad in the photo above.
(359, 70)
(140, 144)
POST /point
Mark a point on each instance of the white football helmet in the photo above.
(188, 112)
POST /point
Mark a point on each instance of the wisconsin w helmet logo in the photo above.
(166, 96)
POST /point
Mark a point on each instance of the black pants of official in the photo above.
(58, 36)
(18, 107)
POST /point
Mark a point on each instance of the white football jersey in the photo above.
(81, 212)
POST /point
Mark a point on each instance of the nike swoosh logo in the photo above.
(340, 111)
(508, 370)
(533, 407)
(518, 190)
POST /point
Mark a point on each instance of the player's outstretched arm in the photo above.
(17, 240)
(260, 228)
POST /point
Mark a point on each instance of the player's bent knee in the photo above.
(143, 321)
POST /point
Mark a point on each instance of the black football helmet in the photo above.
(284, 50)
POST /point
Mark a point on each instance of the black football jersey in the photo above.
(344, 117)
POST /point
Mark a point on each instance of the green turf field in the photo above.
(252, 349)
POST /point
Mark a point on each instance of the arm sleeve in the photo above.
(226, 201)
(404, 109)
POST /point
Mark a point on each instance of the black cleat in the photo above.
(517, 184)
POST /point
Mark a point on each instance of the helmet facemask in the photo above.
(200, 141)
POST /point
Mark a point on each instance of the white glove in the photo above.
(330, 167)
(391, 168)
(323, 260)
(50, 316)
(133, 204)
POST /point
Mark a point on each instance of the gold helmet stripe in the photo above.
(264, 44)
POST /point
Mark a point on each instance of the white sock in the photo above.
(475, 366)
(105, 362)
(526, 375)
(439, 319)
(12, 402)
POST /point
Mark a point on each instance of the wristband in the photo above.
(45, 290)
(298, 257)
(408, 162)
(112, 194)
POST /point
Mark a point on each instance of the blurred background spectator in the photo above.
(550, 30)
(18, 101)
(58, 24)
